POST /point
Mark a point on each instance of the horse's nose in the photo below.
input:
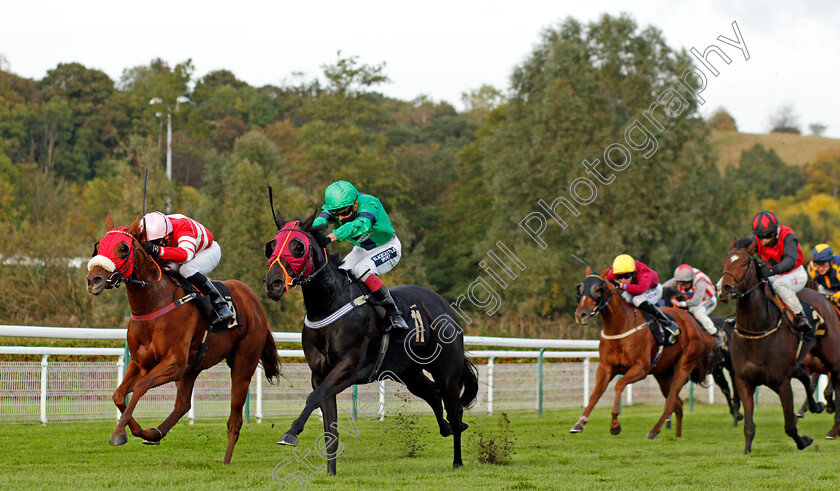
(273, 288)
(94, 284)
(582, 318)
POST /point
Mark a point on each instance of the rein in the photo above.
(738, 293)
(116, 282)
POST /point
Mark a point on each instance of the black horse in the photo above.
(720, 359)
(347, 350)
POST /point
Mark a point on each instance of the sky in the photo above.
(435, 48)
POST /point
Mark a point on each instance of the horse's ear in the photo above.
(732, 244)
(307, 224)
(134, 228)
(318, 233)
(752, 248)
(109, 222)
(588, 271)
(278, 220)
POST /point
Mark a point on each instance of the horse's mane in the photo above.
(742, 243)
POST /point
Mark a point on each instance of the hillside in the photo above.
(793, 149)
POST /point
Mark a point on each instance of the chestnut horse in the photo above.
(165, 344)
(765, 348)
(628, 348)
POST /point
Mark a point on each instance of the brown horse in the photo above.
(765, 347)
(164, 345)
(628, 348)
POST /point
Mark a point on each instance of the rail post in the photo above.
(490, 366)
(540, 383)
(44, 389)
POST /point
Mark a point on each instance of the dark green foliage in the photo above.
(764, 175)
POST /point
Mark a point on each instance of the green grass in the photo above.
(547, 456)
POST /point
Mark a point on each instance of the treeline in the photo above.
(74, 146)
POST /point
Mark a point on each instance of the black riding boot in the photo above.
(220, 305)
(801, 323)
(391, 309)
(664, 320)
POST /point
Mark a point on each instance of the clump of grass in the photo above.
(495, 446)
(409, 435)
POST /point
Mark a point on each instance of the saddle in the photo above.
(815, 321)
(203, 303)
(659, 333)
(418, 330)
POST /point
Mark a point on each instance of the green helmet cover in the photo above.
(339, 195)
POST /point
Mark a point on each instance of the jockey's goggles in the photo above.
(344, 212)
(624, 276)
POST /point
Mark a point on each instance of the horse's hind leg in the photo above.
(665, 381)
(451, 393)
(786, 397)
(241, 371)
(809, 383)
(720, 380)
(420, 385)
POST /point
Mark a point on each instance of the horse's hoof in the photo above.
(464, 426)
(829, 408)
(445, 432)
(456, 465)
(740, 417)
(806, 440)
(150, 442)
(820, 408)
(117, 440)
(288, 440)
(831, 436)
(651, 436)
(799, 414)
(615, 430)
(577, 428)
(668, 424)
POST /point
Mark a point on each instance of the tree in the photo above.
(785, 120)
(762, 174)
(575, 95)
(823, 172)
(817, 129)
(722, 120)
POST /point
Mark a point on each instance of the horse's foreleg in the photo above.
(786, 398)
(182, 405)
(336, 381)
(132, 373)
(166, 371)
(330, 410)
(634, 374)
(603, 375)
(745, 391)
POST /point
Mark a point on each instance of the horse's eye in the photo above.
(121, 250)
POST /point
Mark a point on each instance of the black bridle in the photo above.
(738, 293)
(602, 300)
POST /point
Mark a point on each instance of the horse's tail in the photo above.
(469, 381)
(270, 360)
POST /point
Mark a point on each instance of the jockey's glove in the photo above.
(835, 297)
(765, 271)
(152, 249)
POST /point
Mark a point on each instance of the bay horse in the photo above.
(721, 360)
(345, 350)
(164, 337)
(765, 347)
(628, 348)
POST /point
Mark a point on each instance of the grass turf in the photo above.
(547, 456)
